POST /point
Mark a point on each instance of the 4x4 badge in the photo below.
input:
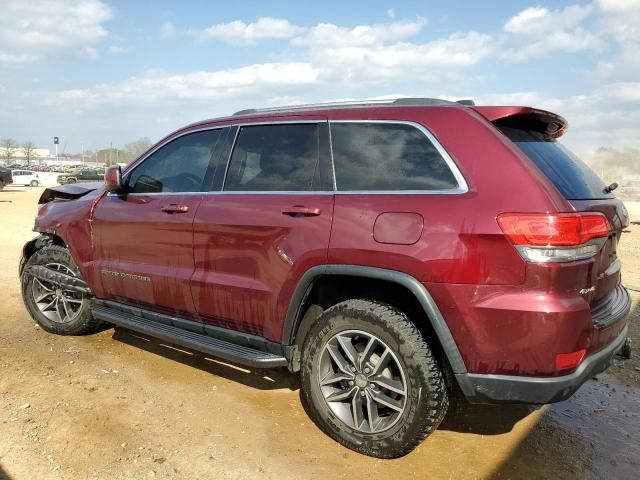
(585, 291)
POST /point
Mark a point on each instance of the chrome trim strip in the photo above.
(462, 183)
(462, 187)
(228, 192)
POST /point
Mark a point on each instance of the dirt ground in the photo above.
(114, 406)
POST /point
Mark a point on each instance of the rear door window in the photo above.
(279, 158)
(571, 176)
(387, 157)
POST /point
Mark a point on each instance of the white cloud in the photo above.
(16, 58)
(167, 30)
(153, 87)
(536, 31)
(391, 13)
(328, 34)
(29, 30)
(619, 5)
(115, 49)
(539, 20)
(240, 32)
(404, 60)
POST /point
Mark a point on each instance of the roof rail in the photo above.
(408, 102)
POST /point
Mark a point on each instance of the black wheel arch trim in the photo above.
(293, 316)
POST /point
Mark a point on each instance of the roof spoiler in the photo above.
(526, 118)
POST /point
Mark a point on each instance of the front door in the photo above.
(270, 223)
(143, 239)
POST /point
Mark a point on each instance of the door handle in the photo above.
(175, 208)
(301, 211)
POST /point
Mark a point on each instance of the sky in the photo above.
(99, 71)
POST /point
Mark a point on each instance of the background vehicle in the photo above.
(5, 177)
(367, 246)
(25, 177)
(82, 175)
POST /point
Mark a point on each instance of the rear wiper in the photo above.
(610, 188)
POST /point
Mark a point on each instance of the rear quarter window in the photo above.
(572, 177)
(387, 157)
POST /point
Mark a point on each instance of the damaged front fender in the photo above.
(68, 192)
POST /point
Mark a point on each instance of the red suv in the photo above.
(392, 252)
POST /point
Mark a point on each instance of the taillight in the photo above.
(555, 237)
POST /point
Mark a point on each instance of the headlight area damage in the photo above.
(64, 216)
(67, 192)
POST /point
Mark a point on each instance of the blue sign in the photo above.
(56, 140)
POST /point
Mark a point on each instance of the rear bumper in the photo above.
(480, 388)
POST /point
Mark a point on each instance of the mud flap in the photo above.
(625, 351)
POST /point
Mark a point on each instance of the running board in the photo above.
(225, 350)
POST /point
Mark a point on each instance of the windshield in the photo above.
(570, 175)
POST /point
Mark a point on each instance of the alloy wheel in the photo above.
(362, 381)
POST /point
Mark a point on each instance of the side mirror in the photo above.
(113, 179)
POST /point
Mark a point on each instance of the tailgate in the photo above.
(606, 270)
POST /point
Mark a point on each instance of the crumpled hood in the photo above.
(68, 192)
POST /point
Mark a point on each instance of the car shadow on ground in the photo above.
(462, 417)
(6, 190)
(261, 379)
(3, 474)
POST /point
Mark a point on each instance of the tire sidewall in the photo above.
(393, 441)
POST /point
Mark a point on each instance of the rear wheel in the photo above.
(370, 381)
(57, 309)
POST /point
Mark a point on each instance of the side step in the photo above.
(231, 352)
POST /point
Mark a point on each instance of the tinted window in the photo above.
(379, 156)
(276, 158)
(570, 175)
(179, 166)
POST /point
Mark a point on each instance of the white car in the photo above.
(25, 177)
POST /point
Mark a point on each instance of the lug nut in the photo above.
(372, 385)
(353, 369)
(351, 383)
(367, 370)
(362, 393)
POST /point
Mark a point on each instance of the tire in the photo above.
(34, 183)
(424, 403)
(1, 186)
(77, 320)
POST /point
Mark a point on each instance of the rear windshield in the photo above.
(570, 175)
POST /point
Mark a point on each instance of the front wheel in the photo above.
(34, 183)
(370, 380)
(55, 308)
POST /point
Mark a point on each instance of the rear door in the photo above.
(268, 225)
(143, 240)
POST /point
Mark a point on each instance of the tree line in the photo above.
(9, 147)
